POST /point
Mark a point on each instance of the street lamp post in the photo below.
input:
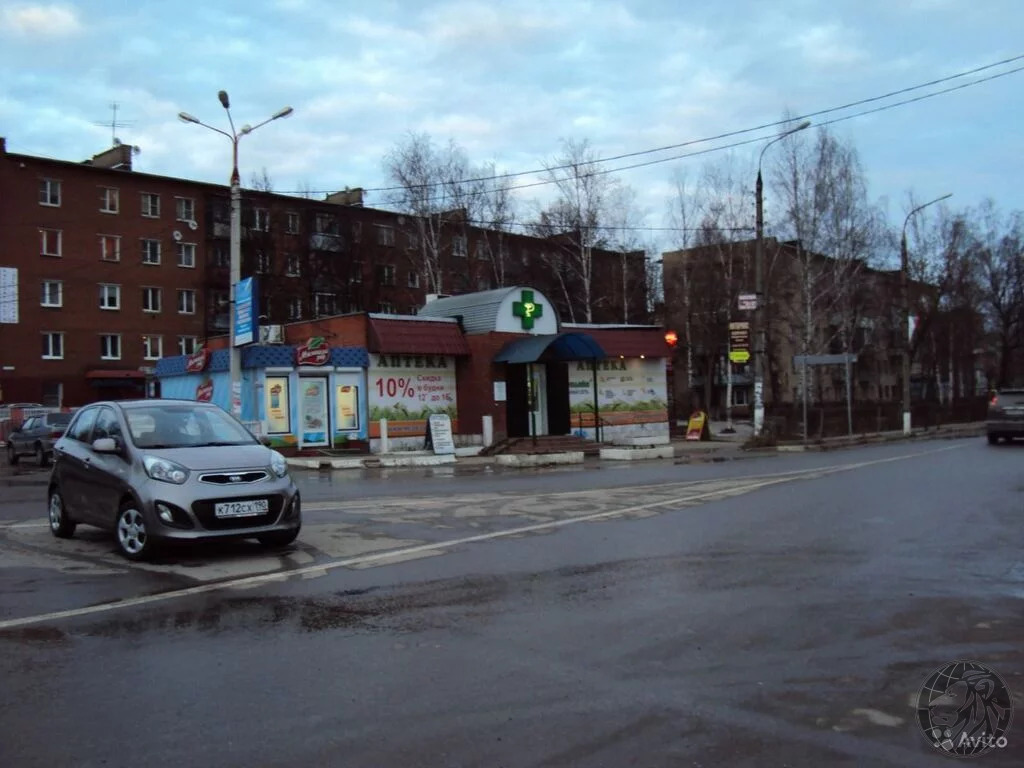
(759, 321)
(235, 353)
(905, 302)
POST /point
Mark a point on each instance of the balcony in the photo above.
(326, 242)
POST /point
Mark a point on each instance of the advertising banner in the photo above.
(630, 391)
(245, 309)
(407, 389)
(278, 405)
(313, 410)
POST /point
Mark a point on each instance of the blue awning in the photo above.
(557, 347)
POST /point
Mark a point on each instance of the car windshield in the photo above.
(184, 426)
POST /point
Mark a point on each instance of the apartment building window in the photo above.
(294, 309)
(480, 250)
(326, 224)
(292, 223)
(187, 255)
(186, 302)
(50, 242)
(385, 235)
(414, 279)
(414, 242)
(150, 251)
(325, 304)
(53, 345)
(357, 232)
(459, 246)
(221, 256)
(152, 347)
(110, 200)
(49, 192)
(264, 262)
(187, 344)
(110, 346)
(386, 307)
(386, 274)
(293, 265)
(52, 294)
(150, 205)
(110, 296)
(110, 247)
(356, 275)
(151, 299)
(185, 209)
(261, 220)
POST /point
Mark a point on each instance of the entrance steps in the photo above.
(544, 444)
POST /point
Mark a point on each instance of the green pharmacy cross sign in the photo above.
(527, 310)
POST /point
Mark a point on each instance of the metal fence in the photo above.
(831, 419)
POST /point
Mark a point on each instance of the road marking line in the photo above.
(432, 547)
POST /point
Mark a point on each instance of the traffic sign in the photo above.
(748, 302)
(739, 355)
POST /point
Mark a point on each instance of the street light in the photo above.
(235, 354)
(905, 300)
(759, 322)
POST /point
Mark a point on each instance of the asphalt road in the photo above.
(777, 611)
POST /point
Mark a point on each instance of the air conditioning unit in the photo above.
(272, 334)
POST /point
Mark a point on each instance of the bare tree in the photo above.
(496, 211)
(623, 231)
(261, 181)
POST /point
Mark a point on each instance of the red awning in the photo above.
(118, 373)
(410, 337)
(629, 342)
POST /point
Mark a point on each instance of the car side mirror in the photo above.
(264, 440)
(106, 445)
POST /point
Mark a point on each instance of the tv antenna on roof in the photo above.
(114, 124)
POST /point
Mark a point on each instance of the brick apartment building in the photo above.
(104, 270)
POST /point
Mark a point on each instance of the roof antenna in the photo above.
(114, 124)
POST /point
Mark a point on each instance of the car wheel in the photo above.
(60, 525)
(278, 539)
(42, 459)
(133, 540)
(12, 456)
(993, 439)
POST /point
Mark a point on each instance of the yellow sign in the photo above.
(739, 355)
(695, 427)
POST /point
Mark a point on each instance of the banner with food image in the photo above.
(407, 389)
(630, 391)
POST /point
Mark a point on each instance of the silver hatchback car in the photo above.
(158, 470)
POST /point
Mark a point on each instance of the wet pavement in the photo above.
(765, 612)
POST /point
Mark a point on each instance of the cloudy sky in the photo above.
(509, 80)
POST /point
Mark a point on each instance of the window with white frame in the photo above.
(414, 241)
(356, 275)
(221, 256)
(53, 345)
(293, 265)
(261, 219)
(186, 302)
(292, 225)
(294, 309)
(185, 209)
(386, 274)
(459, 246)
(151, 299)
(152, 347)
(325, 304)
(150, 205)
(386, 307)
(326, 224)
(110, 296)
(385, 235)
(263, 262)
(110, 247)
(49, 192)
(150, 251)
(414, 280)
(110, 200)
(110, 346)
(50, 242)
(52, 294)
(187, 255)
(187, 344)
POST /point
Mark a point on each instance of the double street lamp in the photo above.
(759, 321)
(236, 233)
(905, 301)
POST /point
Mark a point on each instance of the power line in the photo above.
(728, 134)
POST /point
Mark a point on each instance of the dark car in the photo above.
(36, 437)
(1005, 418)
(159, 470)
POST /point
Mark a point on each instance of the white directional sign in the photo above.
(748, 302)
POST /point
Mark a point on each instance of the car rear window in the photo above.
(59, 419)
(1011, 397)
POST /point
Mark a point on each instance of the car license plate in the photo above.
(250, 508)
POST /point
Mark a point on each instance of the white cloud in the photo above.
(827, 45)
(40, 20)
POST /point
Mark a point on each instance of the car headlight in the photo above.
(164, 470)
(278, 464)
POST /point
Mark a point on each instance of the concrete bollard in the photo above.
(488, 430)
(384, 446)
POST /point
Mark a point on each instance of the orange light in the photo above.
(671, 338)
